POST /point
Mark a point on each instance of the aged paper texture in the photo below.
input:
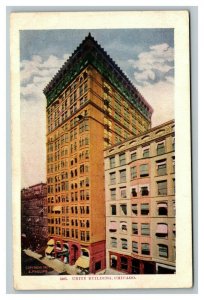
(151, 51)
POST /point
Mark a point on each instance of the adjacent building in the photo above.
(34, 216)
(91, 105)
(140, 203)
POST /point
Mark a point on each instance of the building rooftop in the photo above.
(90, 52)
(140, 138)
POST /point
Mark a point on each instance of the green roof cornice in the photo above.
(92, 53)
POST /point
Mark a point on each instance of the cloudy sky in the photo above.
(145, 55)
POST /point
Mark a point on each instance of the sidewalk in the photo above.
(55, 264)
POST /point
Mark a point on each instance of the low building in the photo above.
(34, 216)
(140, 203)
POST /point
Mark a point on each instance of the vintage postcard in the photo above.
(100, 105)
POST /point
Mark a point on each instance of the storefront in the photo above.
(130, 265)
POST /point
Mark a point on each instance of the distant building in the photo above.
(91, 104)
(34, 216)
(140, 203)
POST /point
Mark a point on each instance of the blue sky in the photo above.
(121, 45)
(145, 55)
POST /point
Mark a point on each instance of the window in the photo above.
(113, 242)
(82, 234)
(122, 159)
(173, 143)
(112, 162)
(160, 148)
(144, 191)
(134, 192)
(123, 193)
(87, 236)
(173, 164)
(123, 209)
(145, 229)
(133, 173)
(145, 249)
(173, 186)
(133, 156)
(174, 230)
(112, 226)
(113, 194)
(135, 247)
(145, 209)
(113, 210)
(146, 152)
(134, 209)
(162, 230)
(163, 250)
(162, 209)
(124, 263)
(162, 187)
(123, 226)
(134, 228)
(112, 178)
(144, 170)
(161, 167)
(97, 265)
(124, 244)
(113, 261)
(122, 176)
(174, 207)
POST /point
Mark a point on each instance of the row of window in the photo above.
(161, 231)
(162, 209)
(70, 107)
(83, 142)
(114, 98)
(70, 233)
(83, 155)
(67, 209)
(144, 209)
(74, 196)
(143, 248)
(161, 190)
(160, 149)
(65, 221)
(79, 86)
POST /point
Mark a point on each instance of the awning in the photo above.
(162, 228)
(164, 205)
(82, 262)
(57, 208)
(49, 249)
(51, 242)
(114, 257)
(112, 226)
(123, 224)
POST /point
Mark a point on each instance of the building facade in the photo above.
(34, 216)
(140, 203)
(91, 105)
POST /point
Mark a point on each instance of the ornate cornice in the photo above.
(89, 52)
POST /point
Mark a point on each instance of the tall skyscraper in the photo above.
(91, 104)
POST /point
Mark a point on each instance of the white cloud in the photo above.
(161, 97)
(33, 142)
(36, 67)
(153, 65)
(35, 75)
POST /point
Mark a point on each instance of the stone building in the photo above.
(140, 203)
(91, 104)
